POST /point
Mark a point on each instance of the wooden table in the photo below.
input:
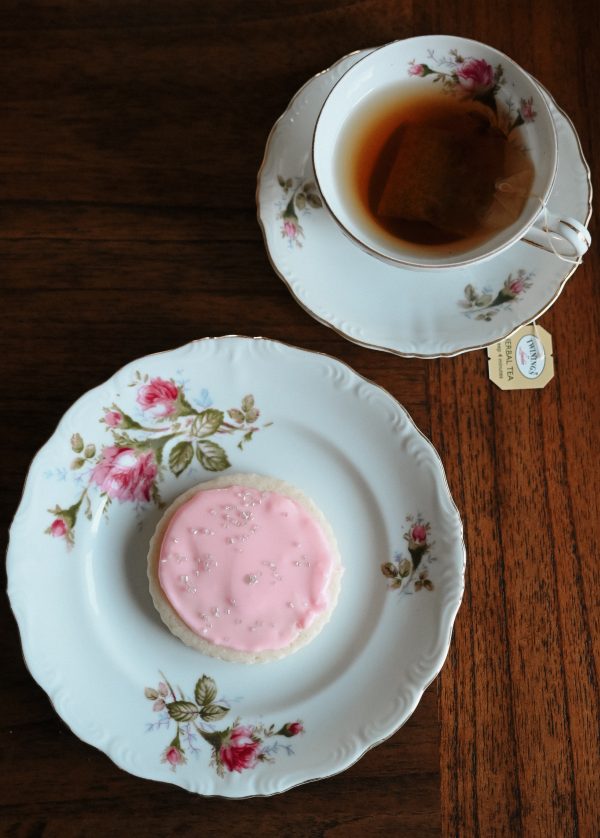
(131, 134)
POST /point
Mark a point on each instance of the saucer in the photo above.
(406, 312)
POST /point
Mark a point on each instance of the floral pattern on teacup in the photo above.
(130, 468)
(299, 196)
(485, 304)
(401, 572)
(476, 79)
(236, 748)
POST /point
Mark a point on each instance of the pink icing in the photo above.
(245, 569)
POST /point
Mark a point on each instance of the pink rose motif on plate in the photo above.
(113, 418)
(476, 76)
(173, 756)
(58, 528)
(302, 195)
(416, 69)
(528, 114)
(175, 435)
(126, 474)
(401, 571)
(292, 729)
(418, 534)
(516, 286)
(237, 748)
(240, 750)
(159, 396)
(483, 305)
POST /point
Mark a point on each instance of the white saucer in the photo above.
(373, 304)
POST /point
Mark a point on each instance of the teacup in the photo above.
(469, 70)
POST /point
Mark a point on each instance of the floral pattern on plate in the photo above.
(235, 748)
(476, 79)
(400, 572)
(483, 305)
(302, 194)
(130, 469)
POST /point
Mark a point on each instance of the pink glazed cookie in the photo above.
(244, 568)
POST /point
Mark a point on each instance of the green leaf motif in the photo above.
(211, 456)
(206, 691)
(89, 451)
(77, 463)
(280, 181)
(208, 422)
(180, 457)
(76, 443)
(236, 415)
(248, 402)
(314, 201)
(300, 200)
(213, 712)
(183, 711)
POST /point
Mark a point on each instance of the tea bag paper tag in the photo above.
(522, 361)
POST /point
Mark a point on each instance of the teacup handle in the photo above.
(566, 237)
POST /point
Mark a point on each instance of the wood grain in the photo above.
(131, 134)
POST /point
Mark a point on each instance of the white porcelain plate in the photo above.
(413, 313)
(77, 566)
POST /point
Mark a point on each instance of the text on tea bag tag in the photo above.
(522, 361)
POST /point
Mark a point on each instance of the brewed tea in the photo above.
(432, 169)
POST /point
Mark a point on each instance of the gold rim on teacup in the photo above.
(478, 70)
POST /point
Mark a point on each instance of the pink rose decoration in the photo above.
(239, 750)
(415, 70)
(418, 534)
(291, 729)
(158, 395)
(476, 75)
(526, 110)
(516, 286)
(58, 528)
(126, 474)
(174, 756)
(113, 418)
(290, 229)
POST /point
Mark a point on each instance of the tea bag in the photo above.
(512, 189)
(444, 175)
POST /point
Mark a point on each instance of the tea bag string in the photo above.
(510, 188)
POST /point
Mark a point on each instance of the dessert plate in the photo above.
(77, 566)
(411, 313)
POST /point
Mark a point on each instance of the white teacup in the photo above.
(465, 68)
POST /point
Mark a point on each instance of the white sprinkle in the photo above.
(175, 540)
(194, 531)
(205, 631)
(215, 611)
(163, 561)
(290, 604)
(228, 610)
(251, 579)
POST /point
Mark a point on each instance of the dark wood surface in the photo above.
(130, 137)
